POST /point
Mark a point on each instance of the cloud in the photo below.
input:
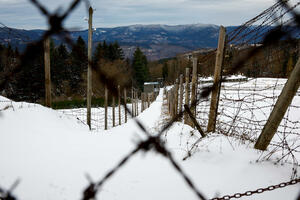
(110, 13)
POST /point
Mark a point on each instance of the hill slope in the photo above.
(51, 152)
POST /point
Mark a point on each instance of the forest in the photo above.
(69, 68)
(69, 71)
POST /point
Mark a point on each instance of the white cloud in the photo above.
(111, 13)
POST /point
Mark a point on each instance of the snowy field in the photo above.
(51, 151)
(98, 116)
(244, 109)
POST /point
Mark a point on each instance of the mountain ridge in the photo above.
(157, 41)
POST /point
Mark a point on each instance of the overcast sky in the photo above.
(112, 13)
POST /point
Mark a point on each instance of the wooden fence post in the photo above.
(47, 72)
(172, 107)
(105, 105)
(136, 104)
(113, 111)
(148, 96)
(194, 80)
(132, 102)
(176, 97)
(153, 96)
(89, 74)
(119, 104)
(187, 94)
(143, 101)
(181, 93)
(187, 109)
(217, 82)
(282, 104)
(125, 104)
(168, 98)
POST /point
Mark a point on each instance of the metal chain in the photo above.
(258, 191)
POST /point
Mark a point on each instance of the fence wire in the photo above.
(239, 37)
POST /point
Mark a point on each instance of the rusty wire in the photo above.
(258, 191)
(155, 143)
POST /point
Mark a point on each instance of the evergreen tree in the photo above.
(118, 51)
(30, 81)
(114, 52)
(17, 53)
(140, 68)
(60, 69)
(98, 53)
(111, 54)
(165, 71)
(78, 63)
(105, 50)
(2, 56)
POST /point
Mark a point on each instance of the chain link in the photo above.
(258, 191)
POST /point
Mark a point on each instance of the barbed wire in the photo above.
(258, 191)
(7, 194)
(152, 143)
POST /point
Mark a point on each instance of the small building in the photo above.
(151, 87)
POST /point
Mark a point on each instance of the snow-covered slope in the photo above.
(51, 153)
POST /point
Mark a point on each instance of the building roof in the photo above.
(151, 83)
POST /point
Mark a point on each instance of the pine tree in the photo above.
(98, 53)
(105, 50)
(30, 80)
(140, 68)
(78, 63)
(119, 54)
(60, 69)
(111, 54)
(2, 56)
(165, 71)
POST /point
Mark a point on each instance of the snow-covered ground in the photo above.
(51, 152)
(98, 115)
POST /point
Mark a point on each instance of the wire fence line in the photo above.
(154, 143)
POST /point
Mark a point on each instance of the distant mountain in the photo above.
(157, 41)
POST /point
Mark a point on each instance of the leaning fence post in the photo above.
(194, 80)
(181, 93)
(119, 103)
(125, 104)
(113, 111)
(217, 82)
(105, 107)
(282, 104)
(196, 124)
(187, 93)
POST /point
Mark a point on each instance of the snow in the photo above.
(171, 28)
(51, 152)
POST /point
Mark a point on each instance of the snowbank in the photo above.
(51, 152)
